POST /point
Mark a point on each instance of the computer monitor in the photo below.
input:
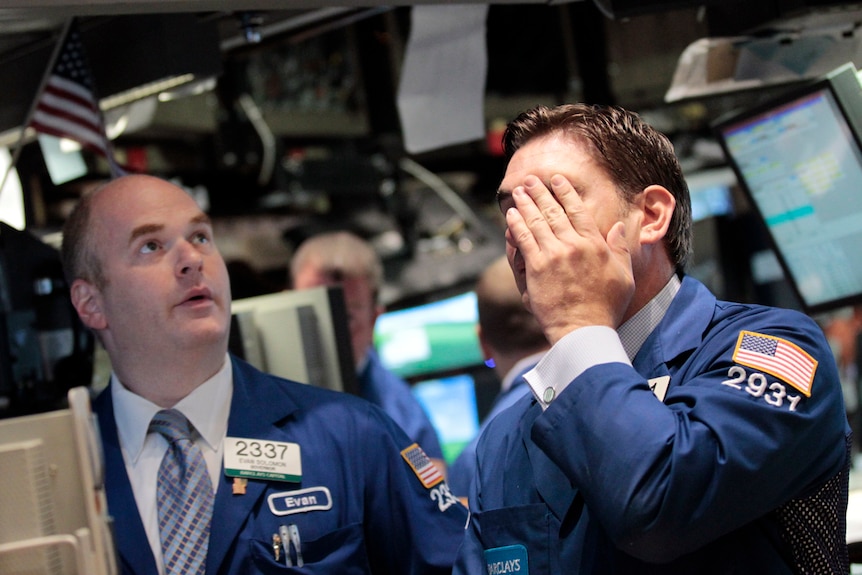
(798, 159)
(451, 405)
(63, 165)
(301, 335)
(435, 346)
(430, 338)
(53, 502)
(710, 193)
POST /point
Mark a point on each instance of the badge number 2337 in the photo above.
(262, 459)
(756, 384)
(252, 448)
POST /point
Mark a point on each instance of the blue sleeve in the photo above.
(414, 523)
(729, 444)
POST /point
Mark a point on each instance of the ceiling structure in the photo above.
(135, 42)
(29, 29)
(33, 26)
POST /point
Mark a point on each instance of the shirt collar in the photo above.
(207, 408)
(634, 332)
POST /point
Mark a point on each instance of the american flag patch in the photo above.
(777, 357)
(422, 466)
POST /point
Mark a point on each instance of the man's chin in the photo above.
(208, 333)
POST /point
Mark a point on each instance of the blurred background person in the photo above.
(513, 339)
(344, 259)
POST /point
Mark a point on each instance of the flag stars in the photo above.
(72, 63)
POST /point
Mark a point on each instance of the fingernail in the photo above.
(557, 180)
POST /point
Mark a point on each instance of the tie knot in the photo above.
(172, 424)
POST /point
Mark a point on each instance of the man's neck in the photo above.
(649, 283)
(167, 380)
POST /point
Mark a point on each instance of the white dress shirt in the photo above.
(207, 408)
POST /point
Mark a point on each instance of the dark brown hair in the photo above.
(633, 154)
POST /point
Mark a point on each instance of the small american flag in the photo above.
(67, 107)
(422, 466)
(777, 357)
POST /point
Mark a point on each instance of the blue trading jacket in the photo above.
(735, 472)
(381, 520)
(463, 469)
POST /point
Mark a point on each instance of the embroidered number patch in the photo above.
(757, 385)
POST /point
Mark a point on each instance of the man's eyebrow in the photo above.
(144, 230)
(202, 218)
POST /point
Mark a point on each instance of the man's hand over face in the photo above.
(575, 277)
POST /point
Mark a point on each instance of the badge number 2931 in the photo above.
(262, 459)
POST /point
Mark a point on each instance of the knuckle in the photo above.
(521, 236)
(555, 214)
(535, 219)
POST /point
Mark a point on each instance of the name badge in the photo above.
(300, 501)
(262, 459)
(505, 560)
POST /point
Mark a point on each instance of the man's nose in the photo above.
(190, 260)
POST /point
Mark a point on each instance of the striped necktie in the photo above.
(184, 496)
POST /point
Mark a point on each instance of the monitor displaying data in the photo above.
(799, 160)
(430, 338)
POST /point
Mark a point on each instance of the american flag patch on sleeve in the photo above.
(777, 357)
(422, 466)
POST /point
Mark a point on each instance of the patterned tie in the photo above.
(184, 496)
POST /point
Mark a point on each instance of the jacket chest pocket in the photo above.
(533, 527)
(341, 551)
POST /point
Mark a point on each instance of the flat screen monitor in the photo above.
(710, 193)
(63, 165)
(798, 158)
(430, 338)
(451, 405)
(301, 335)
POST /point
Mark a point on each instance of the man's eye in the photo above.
(149, 247)
(202, 238)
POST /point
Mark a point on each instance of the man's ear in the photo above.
(658, 205)
(87, 301)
